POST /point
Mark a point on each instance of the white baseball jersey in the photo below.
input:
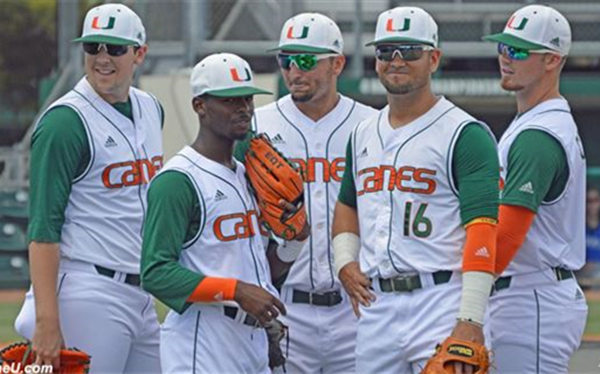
(406, 199)
(228, 243)
(557, 235)
(319, 148)
(106, 207)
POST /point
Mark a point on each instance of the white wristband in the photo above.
(289, 250)
(345, 249)
(476, 287)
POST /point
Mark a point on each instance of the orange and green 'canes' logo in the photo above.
(389, 26)
(236, 77)
(303, 35)
(109, 25)
(521, 26)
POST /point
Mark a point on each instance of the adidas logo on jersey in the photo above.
(277, 139)
(110, 142)
(220, 196)
(482, 252)
(364, 153)
(527, 188)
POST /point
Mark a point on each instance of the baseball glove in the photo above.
(274, 178)
(457, 350)
(276, 331)
(17, 356)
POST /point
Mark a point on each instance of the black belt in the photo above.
(407, 283)
(321, 299)
(232, 311)
(132, 279)
(561, 274)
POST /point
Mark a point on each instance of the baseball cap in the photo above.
(312, 33)
(112, 24)
(406, 24)
(223, 75)
(536, 27)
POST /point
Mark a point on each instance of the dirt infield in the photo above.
(11, 296)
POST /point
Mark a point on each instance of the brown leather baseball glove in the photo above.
(18, 355)
(457, 350)
(274, 178)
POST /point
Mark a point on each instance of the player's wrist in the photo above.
(346, 246)
(476, 287)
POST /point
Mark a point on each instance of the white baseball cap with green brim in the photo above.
(223, 75)
(406, 25)
(112, 24)
(310, 33)
(536, 27)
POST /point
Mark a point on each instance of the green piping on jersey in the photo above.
(391, 192)
(195, 342)
(308, 194)
(91, 144)
(327, 194)
(252, 250)
(450, 154)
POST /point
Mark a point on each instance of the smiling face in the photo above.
(517, 75)
(401, 77)
(225, 117)
(112, 76)
(316, 84)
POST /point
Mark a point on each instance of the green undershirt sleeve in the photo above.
(347, 193)
(537, 170)
(59, 154)
(172, 219)
(475, 171)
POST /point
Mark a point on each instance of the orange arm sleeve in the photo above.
(211, 289)
(479, 252)
(513, 224)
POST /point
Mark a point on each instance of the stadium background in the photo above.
(38, 63)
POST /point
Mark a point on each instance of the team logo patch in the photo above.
(303, 34)
(460, 350)
(109, 25)
(110, 142)
(236, 76)
(482, 252)
(220, 196)
(511, 24)
(389, 26)
(527, 188)
(277, 139)
(555, 41)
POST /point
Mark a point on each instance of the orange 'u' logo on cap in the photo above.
(109, 25)
(236, 77)
(390, 25)
(290, 33)
(521, 26)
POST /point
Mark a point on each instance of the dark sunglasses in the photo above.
(304, 61)
(407, 52)
(112, 49)
(518, 53)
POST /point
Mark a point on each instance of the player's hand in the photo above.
(290, 208)
(47, 343)
(257, 302)
(470, 332)
(356, 285)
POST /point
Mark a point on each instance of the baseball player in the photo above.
(418, 203)
(203, 254)
(538, 312)
(311, 126)
(92, 155)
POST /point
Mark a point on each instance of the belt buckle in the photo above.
(405, 283)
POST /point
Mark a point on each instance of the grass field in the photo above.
(10, 309)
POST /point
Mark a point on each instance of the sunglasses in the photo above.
(112, 49)
(304, 62)
(407, 52)
(519, 54)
